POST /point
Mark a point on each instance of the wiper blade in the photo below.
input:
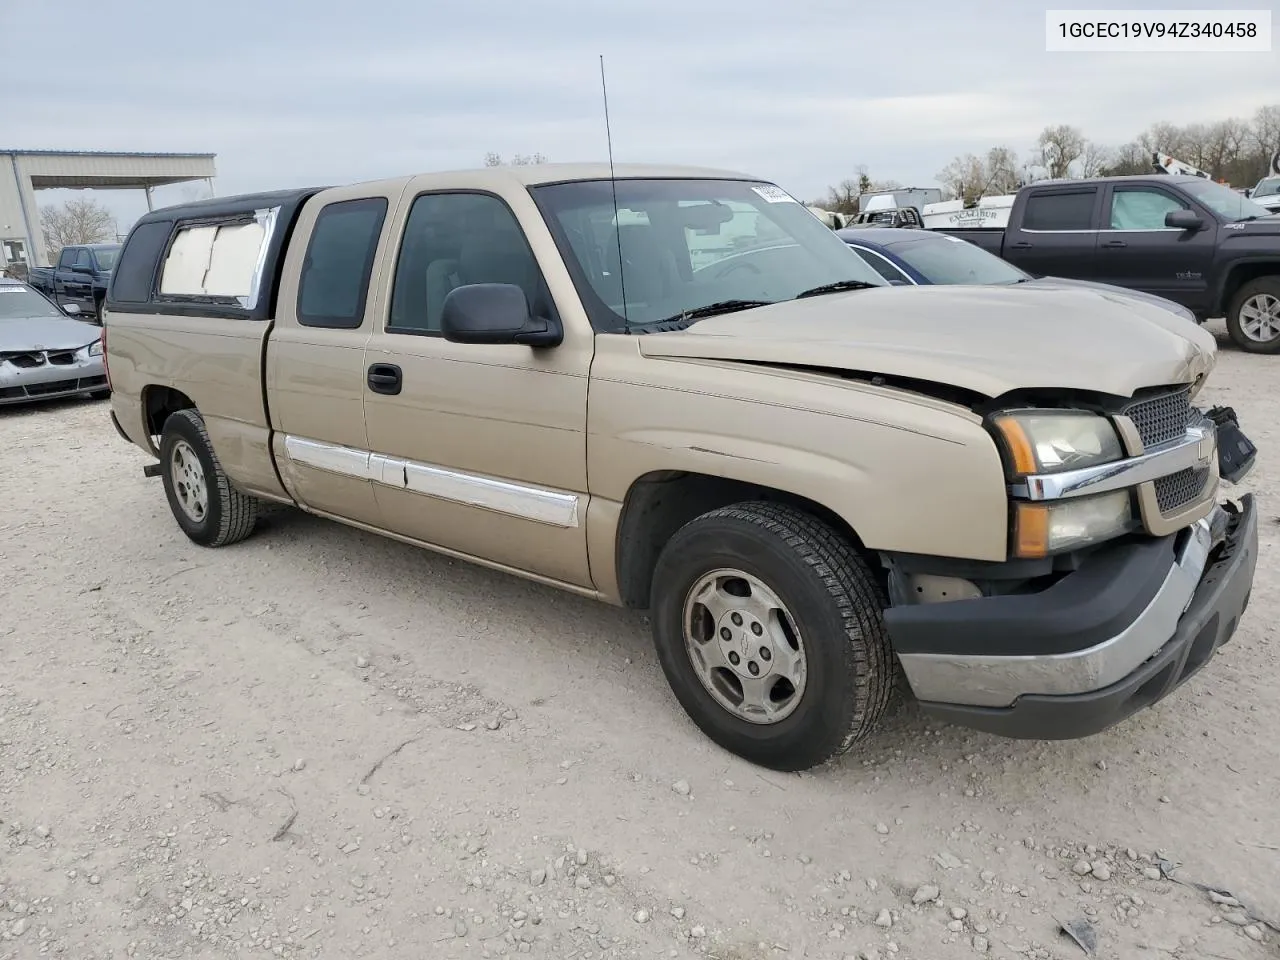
(838, 287)
(680, 320)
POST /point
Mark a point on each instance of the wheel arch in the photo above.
(1240, 273)
(660, 502)
(159, 402)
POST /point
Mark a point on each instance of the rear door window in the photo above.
(1067, 210)
(339, 259)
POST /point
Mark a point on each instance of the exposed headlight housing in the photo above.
(1043, 529)
(1056, 441)
(95, 349)
(1052, 441)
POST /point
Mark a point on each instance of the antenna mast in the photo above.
(613, 184)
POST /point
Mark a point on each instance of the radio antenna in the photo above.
(613, 185)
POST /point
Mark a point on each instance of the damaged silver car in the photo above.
(46, 352)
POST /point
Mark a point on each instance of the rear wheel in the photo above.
(769, 628)
(210, 511)
(1253, 319)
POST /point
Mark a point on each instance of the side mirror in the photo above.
(81, 268)
(495, 313)
(1183, 220)
(71, 309)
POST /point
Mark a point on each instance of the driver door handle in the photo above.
(385, 378)
(1114, 245)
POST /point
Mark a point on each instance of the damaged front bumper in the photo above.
(1112, 637)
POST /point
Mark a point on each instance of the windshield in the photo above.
(946, 259)
(1224, 201)
(20, 302)
(687, 244)
(1267, 188)
(106, 257)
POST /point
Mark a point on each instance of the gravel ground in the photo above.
(320, 743)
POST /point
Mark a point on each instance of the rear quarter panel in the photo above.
(217, 364)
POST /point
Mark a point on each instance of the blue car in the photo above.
(909, 257)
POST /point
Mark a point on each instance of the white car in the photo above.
(1267, 194)
(46, 352)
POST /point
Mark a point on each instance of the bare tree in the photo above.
(843, 197)
(1127, 160)
(76, 221)
(1002, 171)
(1221, 145)
(1265, 135)
(517, 160)
(965, 177)
(1057, 148)
(1093, 158)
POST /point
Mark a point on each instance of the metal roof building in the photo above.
(23, 172)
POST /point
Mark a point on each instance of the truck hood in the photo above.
(989, 340)
(1263, 226)
(1122, 292)
(46, 333)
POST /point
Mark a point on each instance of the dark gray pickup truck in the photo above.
(1190, 240)
(81, 276)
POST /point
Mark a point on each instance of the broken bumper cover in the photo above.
(1108, 640)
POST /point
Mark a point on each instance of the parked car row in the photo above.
(909, 256)
(676, 389)
(1186, 239)
(46, 352)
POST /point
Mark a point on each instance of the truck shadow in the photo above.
(607, 645)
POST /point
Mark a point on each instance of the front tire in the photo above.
(210, 511)
(769, 627)
(1253, 318)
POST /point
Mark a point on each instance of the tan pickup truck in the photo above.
(679, 390)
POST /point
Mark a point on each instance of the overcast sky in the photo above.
(290, 93)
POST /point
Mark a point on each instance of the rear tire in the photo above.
(825, 637)
(210, 511)
(1253, 318)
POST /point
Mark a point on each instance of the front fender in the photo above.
(913, 477)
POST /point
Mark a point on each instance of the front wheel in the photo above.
(210, 511)
(769, 627)
(1253, 319)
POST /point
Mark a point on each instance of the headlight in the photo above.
(1041, 529)
(95, 348)
(1051, 441)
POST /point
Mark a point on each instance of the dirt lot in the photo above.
(320, 743)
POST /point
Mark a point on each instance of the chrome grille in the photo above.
(1179, 489)
(1162, 418)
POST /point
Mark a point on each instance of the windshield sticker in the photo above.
(771, 194)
